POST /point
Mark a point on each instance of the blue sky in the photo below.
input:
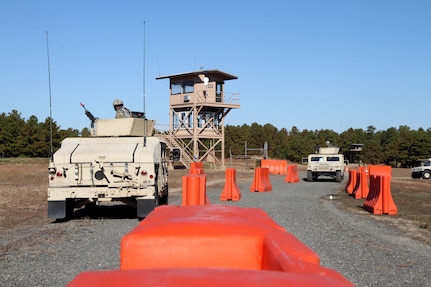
(332, 64)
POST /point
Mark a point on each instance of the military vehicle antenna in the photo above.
(143, 90)
(51, 151)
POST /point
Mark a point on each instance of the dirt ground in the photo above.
(24, 183)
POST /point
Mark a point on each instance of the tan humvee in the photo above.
(121, 161)
(326, 162)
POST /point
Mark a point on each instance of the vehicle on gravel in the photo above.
(422, 168)
(120, 161)
(327, 161)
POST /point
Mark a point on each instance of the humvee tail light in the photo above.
(143, 172)
(76, 171)
(59, 174)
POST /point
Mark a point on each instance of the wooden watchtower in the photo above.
(198, 105)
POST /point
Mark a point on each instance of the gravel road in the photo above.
(366, 251)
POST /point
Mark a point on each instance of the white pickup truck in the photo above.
(422, 168)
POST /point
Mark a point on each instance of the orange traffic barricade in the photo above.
(196, 167)
(186, 277)
(261, 181)
(230, 190)
(194, 190)
(379, 199)
(275, 166)
(292, 174)
(213, 245)
(361, 188)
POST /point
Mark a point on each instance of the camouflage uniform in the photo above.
(120, 111)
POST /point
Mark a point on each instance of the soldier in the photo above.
(121, 112)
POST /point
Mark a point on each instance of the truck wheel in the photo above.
(426, 174)
(163, 199)
(309, 176)
(145, 206)
(61, 209)
(338, 176)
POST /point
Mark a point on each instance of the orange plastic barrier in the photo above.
(186, 277)
(351, 184)
(261, 181)
(275, 166)
(380, 170)
(194, 190)
(361, 188)
(222, 237)
(230, 190)
(379, 199)
(196, 167)
(292, 174)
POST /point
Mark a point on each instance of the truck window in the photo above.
(316, 158)
(333, 158)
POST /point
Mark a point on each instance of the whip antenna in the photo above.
(51, 151)
(143, 92)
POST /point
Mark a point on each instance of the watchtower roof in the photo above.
(218, 73)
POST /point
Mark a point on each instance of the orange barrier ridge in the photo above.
(186, 277)
(275, 166)
(380, 170)
(261, 181)
(265, 174)
(217, 237)
(213, 236)
(230, 190)
(379, 199)
(292, 174)
(361, 189)
(194, 190)
(196, 167)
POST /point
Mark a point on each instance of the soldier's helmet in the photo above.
(117, 102)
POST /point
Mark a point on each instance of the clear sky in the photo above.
(313, 64)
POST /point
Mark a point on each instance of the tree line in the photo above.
(30, 138)
(20, 137)
(395, 146)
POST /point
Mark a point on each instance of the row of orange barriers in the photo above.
(194, 183)
(212, 245)
(373, 184)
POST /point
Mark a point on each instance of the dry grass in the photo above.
(24, 183)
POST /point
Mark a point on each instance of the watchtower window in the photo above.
(188, 87)
(182, 88)
(219, 92)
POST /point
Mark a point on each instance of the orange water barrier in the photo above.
(186, 277)
(361, 189)
(194, 190)
(230, 190)
(196, 167)
(379, 199)
(275, 166)
(261, 181)
(212, 246)
(216, 236)
(292, 174)
(351, 183)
